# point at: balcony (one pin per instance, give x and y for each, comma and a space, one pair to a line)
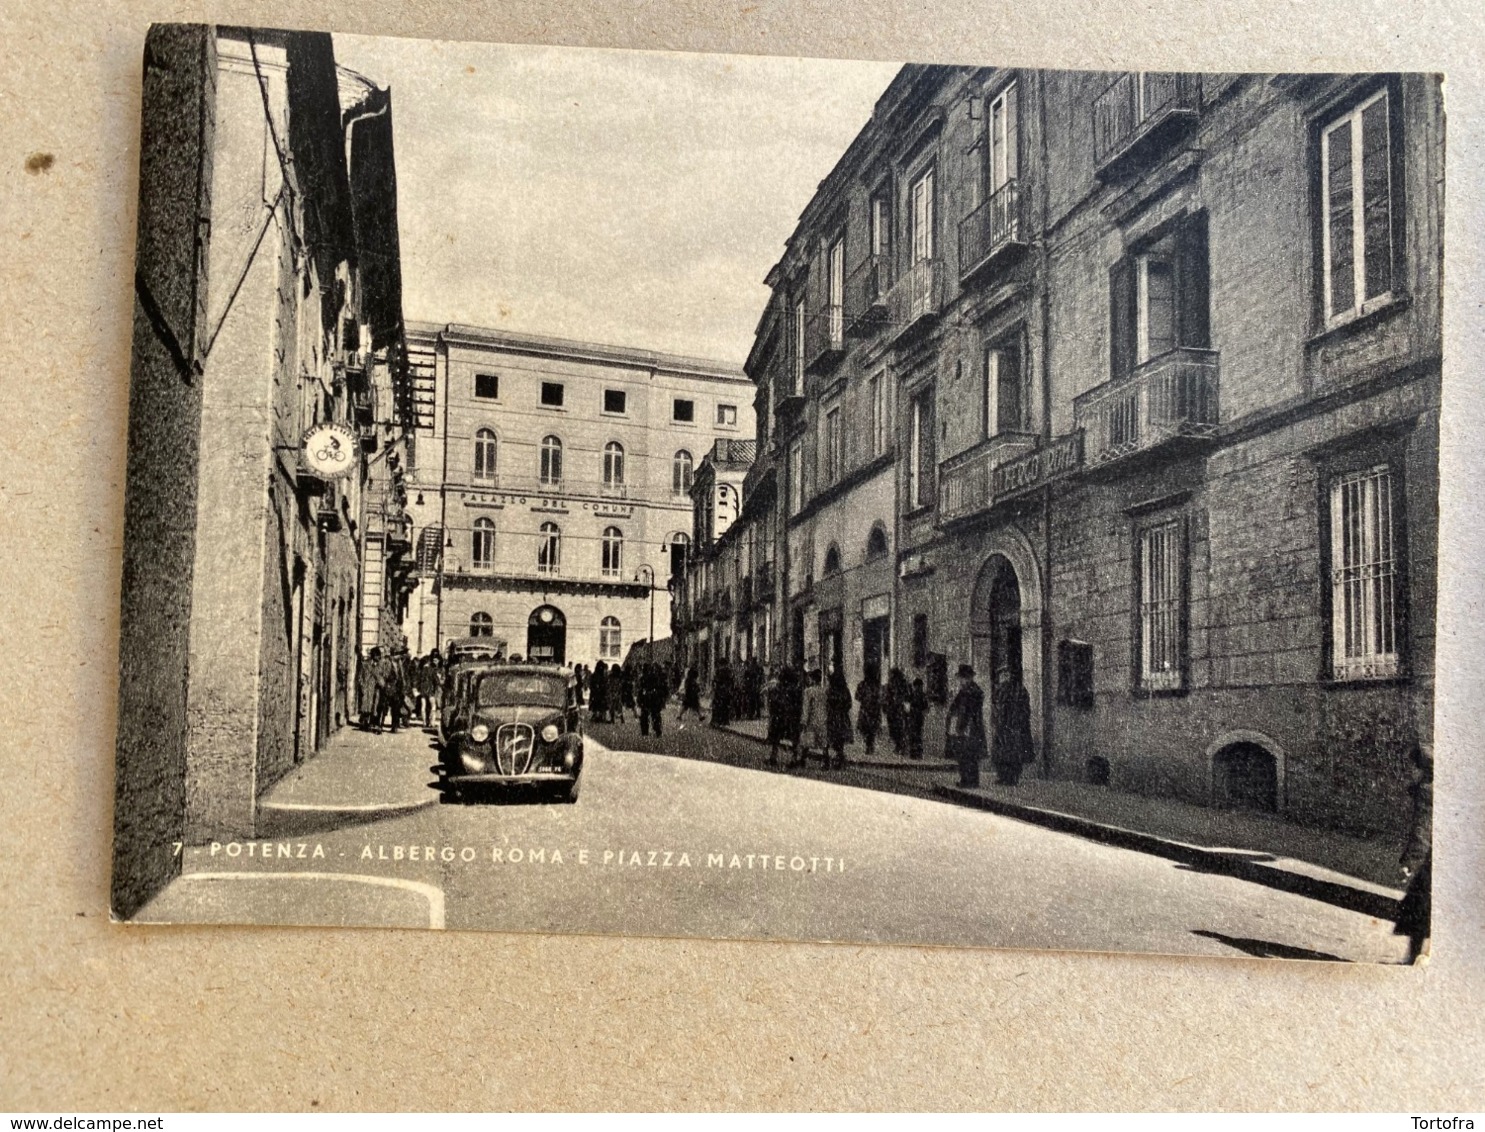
765, 584
992, 232
614, 490
966, 483
1138, 114
866, 297
916, 298
1172, 397
824, 339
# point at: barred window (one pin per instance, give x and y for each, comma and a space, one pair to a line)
1363, 576
1162, 643
485, 450
482, 548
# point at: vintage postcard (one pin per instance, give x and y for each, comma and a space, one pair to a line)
687, 495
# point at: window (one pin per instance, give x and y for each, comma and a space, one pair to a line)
487, 386
1158, 298
549, 549
610, 638
551, 461
614, 400
680, 473
684, 411
481, 625
796, 477
835, 290
920, 639
613, 464
680, 544
832, 560
920, 452
1357, 212
482, 544
551, 394
613, 552
1161, 584
486, 447
876, 543
1005, 400
878, 414
830, 446
727, 416
922, 217
881, 225
1364, 590
1004, 138
797, 332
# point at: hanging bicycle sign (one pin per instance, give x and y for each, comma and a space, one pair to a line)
329, 450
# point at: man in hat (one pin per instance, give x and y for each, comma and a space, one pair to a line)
964, 740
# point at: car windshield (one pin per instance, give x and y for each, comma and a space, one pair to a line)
522, 688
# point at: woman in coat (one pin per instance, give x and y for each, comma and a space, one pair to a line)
691, 694
1010, 735
869, 715
895, 703
598, 692
838, 717
812, 735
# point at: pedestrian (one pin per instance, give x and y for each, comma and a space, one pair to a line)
690, 694
780, 698
838, 732
1415, 912
869, 714
580, 684
753, 687
653, 692
620, 691
895, 707
915, 713
722, 694
811, 734
598, 693
1010, 728
368, 684
964, 739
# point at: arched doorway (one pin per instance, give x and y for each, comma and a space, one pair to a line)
1005, 623
546, 635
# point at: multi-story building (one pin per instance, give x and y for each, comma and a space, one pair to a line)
1127, 385
550, 493
268, 313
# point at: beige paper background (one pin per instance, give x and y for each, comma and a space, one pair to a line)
95, 1016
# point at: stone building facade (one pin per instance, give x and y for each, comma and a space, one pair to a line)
268, 304
550, 494
1138, 377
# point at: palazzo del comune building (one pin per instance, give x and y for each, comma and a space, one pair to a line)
550, 491
1128, 383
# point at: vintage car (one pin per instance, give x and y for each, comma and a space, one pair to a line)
518, 727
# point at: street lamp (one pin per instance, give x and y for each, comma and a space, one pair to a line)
651, 569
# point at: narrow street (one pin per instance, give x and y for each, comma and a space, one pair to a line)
689, 835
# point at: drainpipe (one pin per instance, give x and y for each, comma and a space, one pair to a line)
1044, 261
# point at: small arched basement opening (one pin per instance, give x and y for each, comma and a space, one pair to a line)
1247, 772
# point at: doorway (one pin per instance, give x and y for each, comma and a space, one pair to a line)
831, 645
875, 638
546, 636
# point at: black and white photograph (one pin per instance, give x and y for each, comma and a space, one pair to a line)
742, 497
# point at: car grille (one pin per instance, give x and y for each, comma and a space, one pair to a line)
514, 744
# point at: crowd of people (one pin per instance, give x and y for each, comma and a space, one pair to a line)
393, 689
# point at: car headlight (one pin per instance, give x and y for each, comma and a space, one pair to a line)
549, 733
479, 732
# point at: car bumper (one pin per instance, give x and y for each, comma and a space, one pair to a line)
561, 778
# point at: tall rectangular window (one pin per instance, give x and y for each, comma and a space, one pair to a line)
796, 477
881, 225
831, 445
796, 331
920, 452
922, 213
1004, 138
1356, 202
878, 390
1365, 623
1160, 297
1004, 393
1161, 605
835, 290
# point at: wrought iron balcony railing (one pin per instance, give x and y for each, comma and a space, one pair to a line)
997, 227
966, 483
1170, 397
1135, 112
866, 296
917, 296
825, 338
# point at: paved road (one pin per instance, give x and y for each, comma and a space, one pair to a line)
678, 846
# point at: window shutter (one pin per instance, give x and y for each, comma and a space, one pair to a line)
1193, 309
1376, 204
1121, 317
1012, 133
1342, 284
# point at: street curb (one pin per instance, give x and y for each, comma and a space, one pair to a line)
1206, 860
862, 764
287, 819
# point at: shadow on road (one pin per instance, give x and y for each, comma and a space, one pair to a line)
1266, 949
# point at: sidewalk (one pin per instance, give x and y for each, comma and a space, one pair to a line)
1350, 872
358, 776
